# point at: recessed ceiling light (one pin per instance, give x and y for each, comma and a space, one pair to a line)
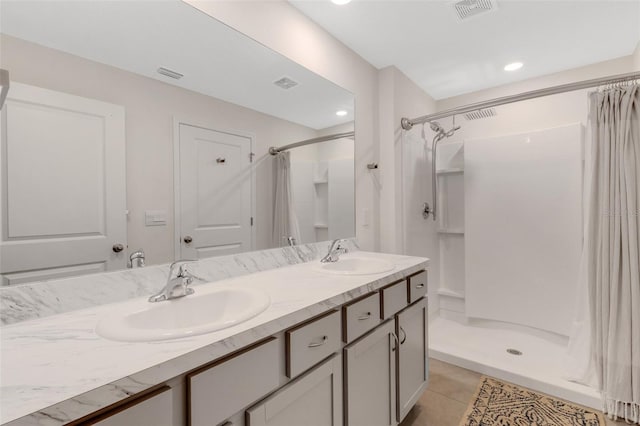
513, 66
341, 113
340, 2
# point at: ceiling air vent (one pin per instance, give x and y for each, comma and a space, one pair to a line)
466, 9
170, 73
285, 83
481, 113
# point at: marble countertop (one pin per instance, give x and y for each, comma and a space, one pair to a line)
57, 369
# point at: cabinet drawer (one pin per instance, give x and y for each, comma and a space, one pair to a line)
360, 316
393, 299
218, 391
417, 286
153, 409
309, 343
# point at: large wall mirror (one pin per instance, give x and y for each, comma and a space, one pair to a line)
146, 125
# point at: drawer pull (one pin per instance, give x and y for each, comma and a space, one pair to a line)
365, 316
315, 345
420, 286
404, 339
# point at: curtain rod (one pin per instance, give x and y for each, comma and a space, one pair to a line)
407, 124
275, 150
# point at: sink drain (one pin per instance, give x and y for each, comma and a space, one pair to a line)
514, 351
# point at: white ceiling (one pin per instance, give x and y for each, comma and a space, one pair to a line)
447, 57
140, 36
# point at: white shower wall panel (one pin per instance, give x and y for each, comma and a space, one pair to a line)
341, 199
451, 201
302, 189
523, 227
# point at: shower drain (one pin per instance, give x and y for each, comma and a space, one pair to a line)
514, 351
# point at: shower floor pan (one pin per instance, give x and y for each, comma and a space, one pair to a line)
484, 349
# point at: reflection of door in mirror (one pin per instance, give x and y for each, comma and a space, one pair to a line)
214, 193
63, 190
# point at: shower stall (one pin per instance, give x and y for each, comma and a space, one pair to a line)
504, 189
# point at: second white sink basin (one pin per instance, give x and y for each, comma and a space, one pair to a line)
355, 266
203, 312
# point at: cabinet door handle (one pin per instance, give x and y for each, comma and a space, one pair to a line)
315, 345
365, 316
420, 286
395, 340
404, 339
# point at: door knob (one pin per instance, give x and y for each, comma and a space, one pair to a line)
188, 239
117, 248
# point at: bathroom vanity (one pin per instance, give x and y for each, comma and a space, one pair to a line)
332, 348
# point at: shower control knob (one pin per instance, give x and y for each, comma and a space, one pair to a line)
187, 239
426, 210
117, 248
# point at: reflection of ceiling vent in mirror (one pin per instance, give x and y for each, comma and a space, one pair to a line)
466, 9
481, 113
285, 83
170, 73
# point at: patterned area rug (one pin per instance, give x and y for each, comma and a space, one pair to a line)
502, 404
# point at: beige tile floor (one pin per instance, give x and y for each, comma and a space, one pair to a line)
450, 390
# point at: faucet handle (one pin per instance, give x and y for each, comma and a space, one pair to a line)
183, 272
179, 263
338, 245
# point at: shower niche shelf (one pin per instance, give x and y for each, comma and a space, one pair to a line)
449, 171
453, 231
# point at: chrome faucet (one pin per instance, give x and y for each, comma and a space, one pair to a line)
291, 241
177, 286
138, 257
335, 250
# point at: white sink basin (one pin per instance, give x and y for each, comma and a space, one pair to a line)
355, 266
209, 309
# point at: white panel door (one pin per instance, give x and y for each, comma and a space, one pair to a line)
62, 185
215, 192
523, 227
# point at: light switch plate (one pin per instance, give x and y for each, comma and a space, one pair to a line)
155, 217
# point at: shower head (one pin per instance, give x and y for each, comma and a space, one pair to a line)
436, 127
440, 132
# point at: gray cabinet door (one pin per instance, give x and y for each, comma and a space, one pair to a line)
413, 360
313, 399
370, 378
